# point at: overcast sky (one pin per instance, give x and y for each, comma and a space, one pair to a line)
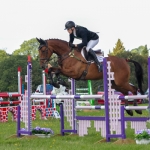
22, 20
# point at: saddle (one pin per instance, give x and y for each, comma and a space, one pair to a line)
88, 57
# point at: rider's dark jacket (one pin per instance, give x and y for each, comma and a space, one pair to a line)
84, 34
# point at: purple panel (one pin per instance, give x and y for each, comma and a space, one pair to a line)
105, 82
25, 132
77, 96
97, 107
123, 123
121, 97
149, 81
18, 120
74, 131
90, 118
114, 135
52, 96
136, 119
73, 104
29, 94
61, 119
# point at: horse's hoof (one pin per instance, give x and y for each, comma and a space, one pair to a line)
129, 112
138, 112
56, 85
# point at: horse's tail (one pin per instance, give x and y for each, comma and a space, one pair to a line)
138, 74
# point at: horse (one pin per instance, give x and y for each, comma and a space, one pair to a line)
73, 65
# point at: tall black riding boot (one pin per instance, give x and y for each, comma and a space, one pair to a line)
96, 60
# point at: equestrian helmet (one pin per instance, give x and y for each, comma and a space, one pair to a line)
69, 24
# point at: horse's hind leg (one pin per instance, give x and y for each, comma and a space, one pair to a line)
132, 89
125, 92
135, 101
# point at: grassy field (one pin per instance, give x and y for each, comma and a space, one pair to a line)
57, 142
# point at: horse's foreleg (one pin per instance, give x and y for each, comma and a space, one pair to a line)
60, 80
57, 72
50, 79
54, 70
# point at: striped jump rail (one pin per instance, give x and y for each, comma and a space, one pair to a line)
9, 102
67, 96
7, 95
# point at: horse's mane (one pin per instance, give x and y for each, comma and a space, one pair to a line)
57, 40
44, 42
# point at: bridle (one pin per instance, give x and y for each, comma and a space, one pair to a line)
47, 59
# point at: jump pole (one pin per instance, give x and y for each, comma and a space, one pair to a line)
28, 123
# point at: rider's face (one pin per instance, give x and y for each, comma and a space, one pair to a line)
69, 31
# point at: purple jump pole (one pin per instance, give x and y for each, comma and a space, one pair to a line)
29, 86
149, 82
73, 130
62, 120
122, 123
105, 82
73, 105
18, 121
28, 103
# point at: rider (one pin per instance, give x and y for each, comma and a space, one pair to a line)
89, 39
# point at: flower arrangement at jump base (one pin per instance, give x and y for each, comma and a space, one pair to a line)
142, 136
42, 132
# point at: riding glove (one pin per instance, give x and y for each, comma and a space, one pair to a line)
71, 45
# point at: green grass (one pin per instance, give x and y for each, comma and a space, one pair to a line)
57, 142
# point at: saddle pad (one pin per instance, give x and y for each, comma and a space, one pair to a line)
99, 57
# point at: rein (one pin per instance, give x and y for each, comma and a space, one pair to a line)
70, 54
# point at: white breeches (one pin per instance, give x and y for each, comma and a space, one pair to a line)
91, 44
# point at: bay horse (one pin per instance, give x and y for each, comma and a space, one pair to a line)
72, 64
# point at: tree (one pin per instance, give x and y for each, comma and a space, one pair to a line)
141, 50
3, 55
9, 75
145, 51
119, 48
29, 47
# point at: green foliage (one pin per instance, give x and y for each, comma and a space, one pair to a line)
141, 50
119, 48
143, 134
9, 75
29, 47
3, 55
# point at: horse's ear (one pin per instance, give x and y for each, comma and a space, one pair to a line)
37, 39
42, 42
